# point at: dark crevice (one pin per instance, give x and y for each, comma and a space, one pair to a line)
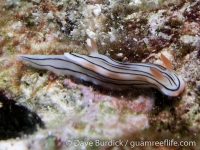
16, 120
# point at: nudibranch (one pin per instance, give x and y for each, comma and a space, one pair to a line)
102, 70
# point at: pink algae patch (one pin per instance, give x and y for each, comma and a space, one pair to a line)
88, 92
142, 103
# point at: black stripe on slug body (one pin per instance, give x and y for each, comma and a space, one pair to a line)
129, 65
27, 58
142, 83
168, 76
146, 65
96, 74
141, 65
126, 64
102, 75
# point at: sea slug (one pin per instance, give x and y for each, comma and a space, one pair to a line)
102, 70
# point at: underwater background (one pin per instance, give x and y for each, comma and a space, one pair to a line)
39, 110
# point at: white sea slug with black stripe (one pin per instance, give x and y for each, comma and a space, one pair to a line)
102, 70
